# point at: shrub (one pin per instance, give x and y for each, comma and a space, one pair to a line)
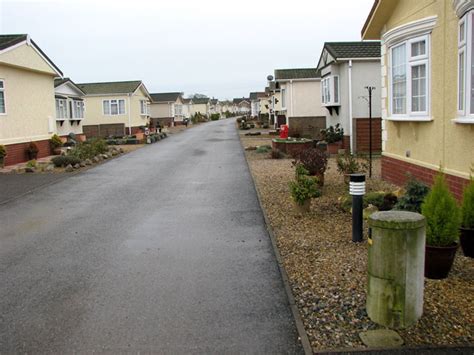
55, 142
467, 208
32, 150
31, 164
304, 187
442, 215
332, 134
347, 164
215, 117
89, 149
314, 160
65, 160
3, 151
415, 194
263, 149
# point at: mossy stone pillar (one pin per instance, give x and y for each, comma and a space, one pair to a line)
396, 268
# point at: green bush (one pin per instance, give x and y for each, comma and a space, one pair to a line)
332, 134
31, 164
3, 151
263, 149
55, 142
467, 208
65, 160
89, 149
347, 164
215, 117
442, 215
415, 194
304, 187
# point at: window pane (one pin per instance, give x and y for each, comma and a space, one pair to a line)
121, 107
462, 32
461, 82
106, 107
399, 80
113, 107
418, 88
2, 102
1, 84
336, 89
418, 48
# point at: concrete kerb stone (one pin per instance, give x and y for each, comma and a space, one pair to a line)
291, 299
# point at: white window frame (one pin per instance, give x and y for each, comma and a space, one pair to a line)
144, 105
328, 90
465, 46
283, 99
62, 103
78, 105
2, 89
411, 62
108, 102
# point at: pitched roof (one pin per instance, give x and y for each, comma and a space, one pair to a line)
186, 101
256, 95
240, 100
60, 81
299, 73
10, 40
200, 100
115, 87
214, 101
165, 96
363, 49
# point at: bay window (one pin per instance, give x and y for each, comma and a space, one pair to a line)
465, 75
61, 109
78, 107
409, 78
330, 90
2, 98
113, 107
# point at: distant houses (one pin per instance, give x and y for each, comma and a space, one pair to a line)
70, 108
241, 106
115, 108
166, 109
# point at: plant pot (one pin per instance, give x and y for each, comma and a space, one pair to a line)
304, 208
439, 260
467, 241
333, 148
32, 155
57, 151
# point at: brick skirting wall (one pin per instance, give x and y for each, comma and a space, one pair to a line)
16, 153
396, 171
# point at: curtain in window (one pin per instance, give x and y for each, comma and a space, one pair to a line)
399, 79
106, 105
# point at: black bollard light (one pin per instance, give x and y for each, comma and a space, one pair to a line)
357, 190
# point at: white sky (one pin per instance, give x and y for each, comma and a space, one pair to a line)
219, 48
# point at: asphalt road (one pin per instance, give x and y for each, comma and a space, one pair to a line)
161, 250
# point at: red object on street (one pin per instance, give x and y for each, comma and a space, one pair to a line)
284, 131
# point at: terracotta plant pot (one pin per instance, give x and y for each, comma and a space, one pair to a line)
333, 148
57, 151
467, 241
304, 208
439, 260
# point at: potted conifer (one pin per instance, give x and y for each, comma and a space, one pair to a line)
303, 189
32, 151
56, 143
442, 229
467, 220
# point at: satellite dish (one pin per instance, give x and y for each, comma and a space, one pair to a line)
270, 77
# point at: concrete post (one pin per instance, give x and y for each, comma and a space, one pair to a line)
396, 268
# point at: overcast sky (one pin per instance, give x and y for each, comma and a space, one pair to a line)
221, 48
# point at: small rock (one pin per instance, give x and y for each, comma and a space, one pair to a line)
105, 156
88, 162
251, 148
121, 150
114, 153
49, 168
69, 168
82, 164
77, 166
29, 169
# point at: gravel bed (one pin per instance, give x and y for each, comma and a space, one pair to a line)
328, 272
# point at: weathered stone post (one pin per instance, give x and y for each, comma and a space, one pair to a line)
396, 268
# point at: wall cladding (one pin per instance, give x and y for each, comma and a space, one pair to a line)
104, 130
362, 135
307, 127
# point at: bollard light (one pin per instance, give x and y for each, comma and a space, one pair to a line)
357, 191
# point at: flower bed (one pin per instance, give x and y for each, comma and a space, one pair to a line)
328, 272
291, 146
